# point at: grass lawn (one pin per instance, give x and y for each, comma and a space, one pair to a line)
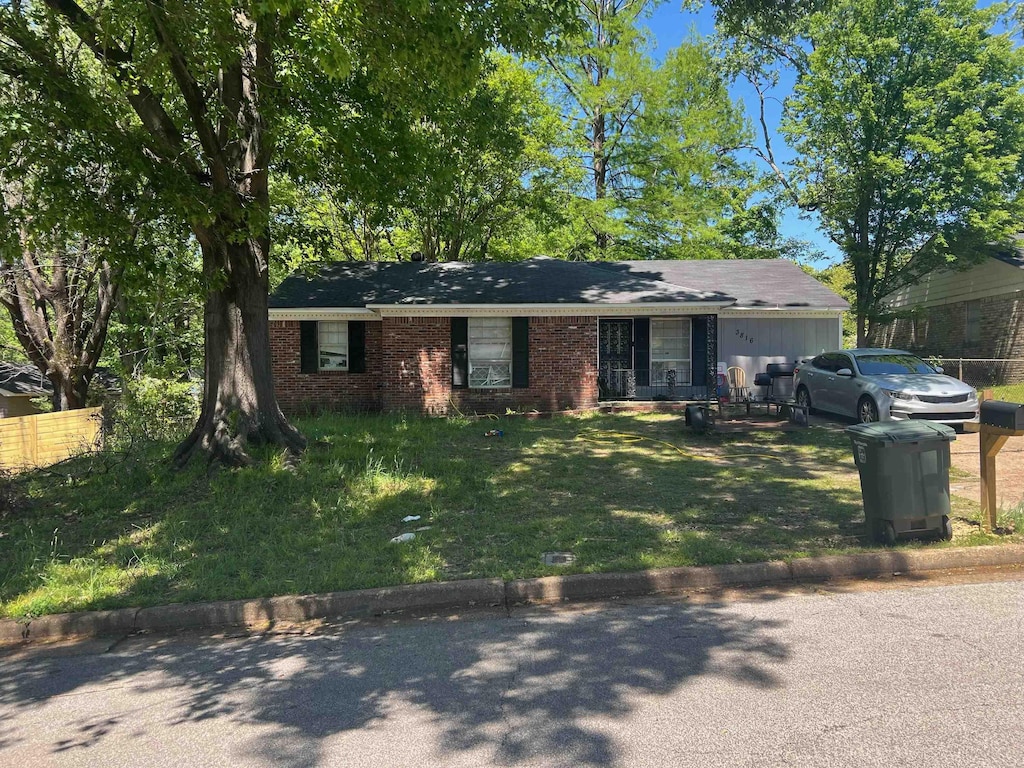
137, 533
1011, 393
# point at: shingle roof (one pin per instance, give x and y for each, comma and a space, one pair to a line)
552, 281
756, 283
1013, 258
23, 379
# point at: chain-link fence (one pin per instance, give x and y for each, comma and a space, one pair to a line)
1004, 377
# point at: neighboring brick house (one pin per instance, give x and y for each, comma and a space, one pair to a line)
540, 334
976, 314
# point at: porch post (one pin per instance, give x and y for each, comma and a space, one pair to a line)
712, 359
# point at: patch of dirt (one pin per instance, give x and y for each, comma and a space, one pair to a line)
965, 456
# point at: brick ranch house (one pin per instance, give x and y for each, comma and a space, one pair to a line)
975, 313
540, 334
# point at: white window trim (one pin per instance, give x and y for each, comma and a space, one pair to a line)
491, 363
688, 360
342, 327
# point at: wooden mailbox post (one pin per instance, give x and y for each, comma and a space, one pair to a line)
992, 439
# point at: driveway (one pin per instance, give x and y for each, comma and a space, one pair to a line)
966, 457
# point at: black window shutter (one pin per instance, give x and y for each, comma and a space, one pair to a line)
356, 346
308, 345
520, 352
642, 350
460, 352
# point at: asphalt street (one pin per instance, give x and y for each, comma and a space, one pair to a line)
925, 676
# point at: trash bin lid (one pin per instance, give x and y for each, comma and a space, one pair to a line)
910, 431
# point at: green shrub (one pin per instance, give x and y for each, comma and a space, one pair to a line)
156, 409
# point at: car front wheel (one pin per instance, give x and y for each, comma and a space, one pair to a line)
867, 411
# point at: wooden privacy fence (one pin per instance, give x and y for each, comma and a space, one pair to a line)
46, 438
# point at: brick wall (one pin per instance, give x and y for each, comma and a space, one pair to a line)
941, 331
417, 364
408, 367
325, 390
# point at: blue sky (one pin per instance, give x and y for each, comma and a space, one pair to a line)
670, 25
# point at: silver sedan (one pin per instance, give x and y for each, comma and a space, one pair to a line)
881, 384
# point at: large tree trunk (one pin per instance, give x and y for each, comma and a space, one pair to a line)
239, 405
69, 392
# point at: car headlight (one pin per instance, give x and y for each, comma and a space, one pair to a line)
896, 395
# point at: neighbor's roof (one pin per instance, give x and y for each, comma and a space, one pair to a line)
23, 379
542, 280
1013, 258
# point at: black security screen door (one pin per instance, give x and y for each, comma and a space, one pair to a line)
615, 359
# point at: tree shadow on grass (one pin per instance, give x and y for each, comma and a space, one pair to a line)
493, 507
469, 692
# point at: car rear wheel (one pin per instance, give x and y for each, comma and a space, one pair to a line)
867, 411
803, 398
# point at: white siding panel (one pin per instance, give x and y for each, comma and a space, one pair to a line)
752, 343
990, 278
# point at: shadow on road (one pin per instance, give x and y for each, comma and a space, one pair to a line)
507, 690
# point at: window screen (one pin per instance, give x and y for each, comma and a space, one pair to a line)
490, 352
333, 349
670, 351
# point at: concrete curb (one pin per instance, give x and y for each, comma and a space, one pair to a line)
470, 593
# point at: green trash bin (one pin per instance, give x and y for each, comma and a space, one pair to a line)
904, 477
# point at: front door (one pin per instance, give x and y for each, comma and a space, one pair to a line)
615, 359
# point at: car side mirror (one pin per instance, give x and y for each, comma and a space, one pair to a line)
845, 372
939, 369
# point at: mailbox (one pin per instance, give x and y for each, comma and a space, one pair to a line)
996, 413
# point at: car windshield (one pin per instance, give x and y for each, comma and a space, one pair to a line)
879, 365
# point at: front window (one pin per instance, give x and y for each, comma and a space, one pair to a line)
670, 351
972, 323
333, 346
490, 352
880, 365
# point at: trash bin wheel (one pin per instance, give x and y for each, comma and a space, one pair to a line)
874, 527
947, 528
888, 533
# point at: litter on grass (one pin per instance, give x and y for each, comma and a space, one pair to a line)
410, 518
402, 538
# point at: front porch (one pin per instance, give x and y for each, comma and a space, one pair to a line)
671, 358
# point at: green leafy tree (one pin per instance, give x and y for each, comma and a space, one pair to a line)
489, 167
908, 120
461, 181
655, 139
202, 99
71, 234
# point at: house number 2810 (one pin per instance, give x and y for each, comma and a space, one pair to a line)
744, 335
